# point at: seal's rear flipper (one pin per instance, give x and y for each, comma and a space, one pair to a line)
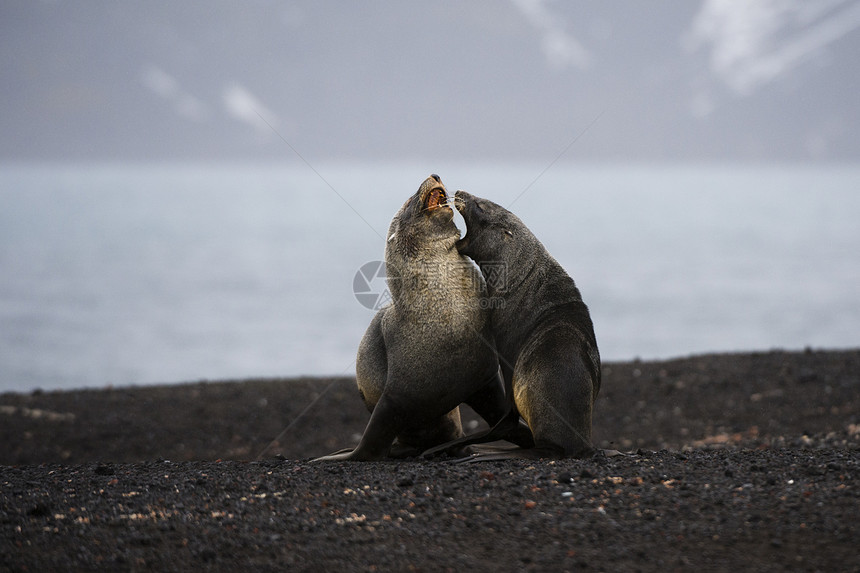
510, 428
490, 453
613, 453
495, 453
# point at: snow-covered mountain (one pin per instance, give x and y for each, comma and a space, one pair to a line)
772, 80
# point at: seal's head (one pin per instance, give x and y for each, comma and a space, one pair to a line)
426, 220
492, 232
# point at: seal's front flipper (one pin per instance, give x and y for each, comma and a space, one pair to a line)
340, 455
341, 451
384, 424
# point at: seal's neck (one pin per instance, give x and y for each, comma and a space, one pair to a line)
434, 286
505, 279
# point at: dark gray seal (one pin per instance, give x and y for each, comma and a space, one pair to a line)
543, 332
431, 349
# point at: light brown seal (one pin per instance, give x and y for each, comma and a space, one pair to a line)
431, 349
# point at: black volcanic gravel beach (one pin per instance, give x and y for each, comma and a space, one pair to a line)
737, 461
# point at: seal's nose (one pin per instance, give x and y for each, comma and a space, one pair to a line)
436, 177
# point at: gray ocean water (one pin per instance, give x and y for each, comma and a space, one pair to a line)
142, 274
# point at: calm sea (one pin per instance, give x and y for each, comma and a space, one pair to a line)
127, 274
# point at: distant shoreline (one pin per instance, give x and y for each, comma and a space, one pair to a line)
350, 375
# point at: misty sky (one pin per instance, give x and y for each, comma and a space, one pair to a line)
765, 80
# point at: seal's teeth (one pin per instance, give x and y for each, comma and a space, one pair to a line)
436, 198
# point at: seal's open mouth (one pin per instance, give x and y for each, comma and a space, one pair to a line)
436, 198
